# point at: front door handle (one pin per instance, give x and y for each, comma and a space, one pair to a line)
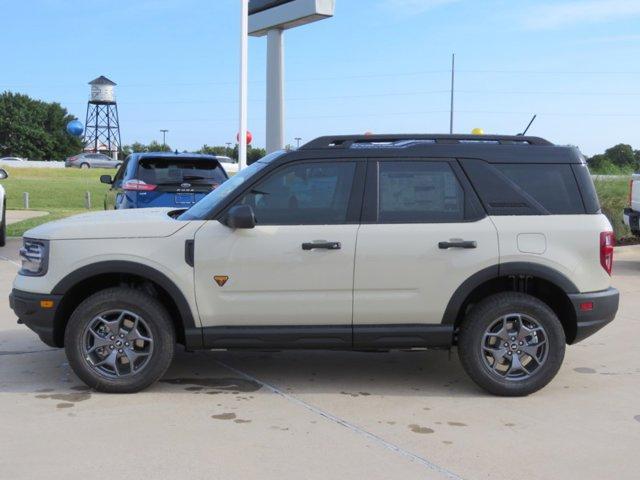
322, 245
457, 244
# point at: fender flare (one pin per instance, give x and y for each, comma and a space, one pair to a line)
192, 332
503, 270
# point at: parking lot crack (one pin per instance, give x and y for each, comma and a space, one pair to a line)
354, 428
27, 352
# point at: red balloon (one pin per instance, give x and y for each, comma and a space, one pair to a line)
249, 137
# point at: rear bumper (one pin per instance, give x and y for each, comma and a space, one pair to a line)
605, 307
27, 307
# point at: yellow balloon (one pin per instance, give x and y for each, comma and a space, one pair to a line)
477, 131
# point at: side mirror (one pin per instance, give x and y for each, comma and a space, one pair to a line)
3, 174
240, 216
106, 179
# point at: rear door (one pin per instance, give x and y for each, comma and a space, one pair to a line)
423, 234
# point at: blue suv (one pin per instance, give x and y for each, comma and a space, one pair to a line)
148, 180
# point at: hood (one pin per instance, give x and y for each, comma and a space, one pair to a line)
131, 223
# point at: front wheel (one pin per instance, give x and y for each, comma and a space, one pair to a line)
120, 340
511, 344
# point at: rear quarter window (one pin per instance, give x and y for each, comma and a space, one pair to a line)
553, 186
525, 188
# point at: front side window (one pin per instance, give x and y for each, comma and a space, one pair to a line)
419, 192
303, 194
215, 200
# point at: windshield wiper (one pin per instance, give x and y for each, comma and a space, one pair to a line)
193, 177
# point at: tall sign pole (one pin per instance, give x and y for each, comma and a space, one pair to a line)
244, 83
453, 88
275, 90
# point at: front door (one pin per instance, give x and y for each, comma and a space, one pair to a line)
295, 268
426, 234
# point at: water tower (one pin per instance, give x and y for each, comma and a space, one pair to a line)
102, 128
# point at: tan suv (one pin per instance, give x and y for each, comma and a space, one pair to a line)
495, 245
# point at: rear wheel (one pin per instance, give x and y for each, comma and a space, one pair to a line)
120, 340
85, 165
511, 344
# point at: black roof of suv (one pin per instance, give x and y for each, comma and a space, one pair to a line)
491, 148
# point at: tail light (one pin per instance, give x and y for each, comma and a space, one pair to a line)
607, 242
138, 186
630, 191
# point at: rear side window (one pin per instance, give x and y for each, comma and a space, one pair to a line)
552, 186
419, 192
175, 171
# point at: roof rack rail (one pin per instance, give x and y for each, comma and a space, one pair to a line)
404, 140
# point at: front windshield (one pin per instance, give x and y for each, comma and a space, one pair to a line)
201, 210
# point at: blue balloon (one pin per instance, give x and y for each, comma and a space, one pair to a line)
75, 128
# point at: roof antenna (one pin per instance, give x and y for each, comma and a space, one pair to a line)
528, 126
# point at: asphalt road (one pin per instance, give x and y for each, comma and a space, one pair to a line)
323, 415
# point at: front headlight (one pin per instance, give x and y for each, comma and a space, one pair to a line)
35, 257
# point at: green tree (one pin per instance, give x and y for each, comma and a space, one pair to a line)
217, 150
158, 147
253, 154
621, 155
34, 129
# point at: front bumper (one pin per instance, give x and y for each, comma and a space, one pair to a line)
604, 309
34, 314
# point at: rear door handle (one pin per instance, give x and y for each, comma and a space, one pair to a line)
322, 245
457, 244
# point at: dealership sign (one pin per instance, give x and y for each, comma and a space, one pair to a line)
265, 15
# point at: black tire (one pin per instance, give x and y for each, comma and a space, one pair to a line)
3, 227
160, 326
472, 335
85, 165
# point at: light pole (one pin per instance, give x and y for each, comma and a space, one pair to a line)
164, 138
298, 139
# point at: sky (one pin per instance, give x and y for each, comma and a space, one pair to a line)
378, 65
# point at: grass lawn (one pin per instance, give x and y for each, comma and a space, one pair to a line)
614, 197
61, 193
57, 191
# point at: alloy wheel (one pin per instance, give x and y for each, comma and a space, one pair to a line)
117, 343
514, 347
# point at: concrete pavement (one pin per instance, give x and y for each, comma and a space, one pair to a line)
15, 216
230, 415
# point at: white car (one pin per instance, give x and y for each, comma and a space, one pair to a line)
3, 202
230, 165
10, 160
494, 244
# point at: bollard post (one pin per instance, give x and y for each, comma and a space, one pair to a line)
87, 200
25, 199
